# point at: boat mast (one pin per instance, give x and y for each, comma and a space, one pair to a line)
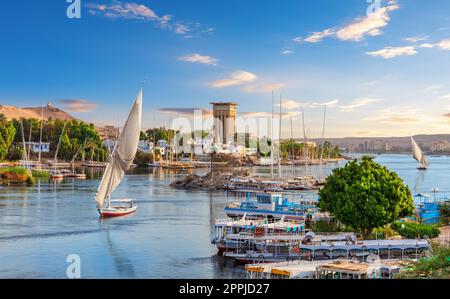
24, 145
305, 147
323, 138
57, 147
279, 143
271, 139
154, 139
292, 149
29, 139
40, 136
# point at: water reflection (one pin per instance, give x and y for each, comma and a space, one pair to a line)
122, 263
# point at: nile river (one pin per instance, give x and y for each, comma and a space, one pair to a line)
168, 236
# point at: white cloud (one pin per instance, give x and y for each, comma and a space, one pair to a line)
444, 44
316, 37
236, 78
197, 58
369, 25
181, 29
117, 9
331, 103
287, 52
426, 45
396, 115
78, 105
445, 97
357, 103
391, 52
264, 88
297, 40
416, 39
289, 104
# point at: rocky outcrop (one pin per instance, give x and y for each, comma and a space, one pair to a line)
207, 182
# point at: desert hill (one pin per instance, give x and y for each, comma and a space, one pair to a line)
49, 111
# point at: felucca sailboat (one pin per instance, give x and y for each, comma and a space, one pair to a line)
121, 159
419, 155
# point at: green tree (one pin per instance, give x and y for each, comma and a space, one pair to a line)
143, 136
7, 133
365, 195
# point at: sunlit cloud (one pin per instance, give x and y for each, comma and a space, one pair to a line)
186, 111
289, 104
358, 103
331, 103
316, 37
236, 78
426, 46
129, 10
255, 114
77, 105
391, 52
397, 115
370, 25
444, 44
264, 88
416, 39
197, 58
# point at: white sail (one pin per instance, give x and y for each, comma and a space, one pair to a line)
123, 154
418, 154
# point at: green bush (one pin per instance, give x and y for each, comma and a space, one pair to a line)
17, 170
414, 230
435, 267
142, 159
444, 209
40, 173
322, 226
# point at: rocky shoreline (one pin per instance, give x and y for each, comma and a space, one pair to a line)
208, 182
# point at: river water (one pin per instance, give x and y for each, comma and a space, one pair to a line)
168, 236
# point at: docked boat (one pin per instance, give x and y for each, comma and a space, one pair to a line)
121, 159
270, 205
370, 268
245, 229
384, 249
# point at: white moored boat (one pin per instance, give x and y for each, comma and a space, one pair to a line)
121, 159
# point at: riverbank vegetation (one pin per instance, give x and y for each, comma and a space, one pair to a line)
411, 230
437, 266
16, 175
72, 138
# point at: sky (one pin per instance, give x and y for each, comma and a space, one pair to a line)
381, 69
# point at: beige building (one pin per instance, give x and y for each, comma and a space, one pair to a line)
440, 146
224, 121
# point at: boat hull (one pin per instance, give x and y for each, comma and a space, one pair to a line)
116, 211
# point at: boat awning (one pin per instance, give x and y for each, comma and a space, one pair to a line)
281, 272
122, 200
255, 269
422, 195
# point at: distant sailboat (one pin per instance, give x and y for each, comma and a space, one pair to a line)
419, 155
121, 159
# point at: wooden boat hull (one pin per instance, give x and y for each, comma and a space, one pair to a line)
116, 211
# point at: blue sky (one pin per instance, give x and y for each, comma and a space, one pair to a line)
385, 73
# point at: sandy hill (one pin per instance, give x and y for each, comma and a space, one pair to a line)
48, 111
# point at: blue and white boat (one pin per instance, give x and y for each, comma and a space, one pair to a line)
271, 205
